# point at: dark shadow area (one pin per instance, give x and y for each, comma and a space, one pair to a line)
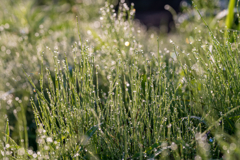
152, 13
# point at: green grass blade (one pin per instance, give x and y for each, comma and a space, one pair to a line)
230, 16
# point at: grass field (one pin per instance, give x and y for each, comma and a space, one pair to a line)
81, 81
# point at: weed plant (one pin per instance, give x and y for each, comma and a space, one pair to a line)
123, 94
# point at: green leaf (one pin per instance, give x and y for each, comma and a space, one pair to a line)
92, 130
89, 134
229, 125
230, 16
7, 131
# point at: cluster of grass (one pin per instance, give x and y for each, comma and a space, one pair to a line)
108, 89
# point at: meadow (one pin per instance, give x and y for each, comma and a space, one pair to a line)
83, 81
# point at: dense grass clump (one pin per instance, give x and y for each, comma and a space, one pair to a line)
116, 91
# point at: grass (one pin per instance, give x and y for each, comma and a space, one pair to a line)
108, 89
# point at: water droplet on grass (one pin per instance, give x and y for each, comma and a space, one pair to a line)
127, 43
